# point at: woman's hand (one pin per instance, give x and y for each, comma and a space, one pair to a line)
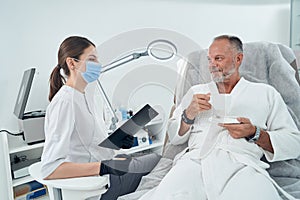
117, 166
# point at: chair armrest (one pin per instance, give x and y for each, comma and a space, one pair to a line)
72, 188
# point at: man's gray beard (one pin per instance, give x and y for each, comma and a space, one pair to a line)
219, 79
224, 76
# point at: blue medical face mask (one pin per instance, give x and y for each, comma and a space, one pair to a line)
92, 71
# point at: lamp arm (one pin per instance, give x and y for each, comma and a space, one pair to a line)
106, 99
108, 67
122, 61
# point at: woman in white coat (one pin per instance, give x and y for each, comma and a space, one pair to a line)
72, 132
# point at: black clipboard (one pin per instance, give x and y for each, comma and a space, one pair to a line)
130, 127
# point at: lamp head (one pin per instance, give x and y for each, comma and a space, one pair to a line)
162, 50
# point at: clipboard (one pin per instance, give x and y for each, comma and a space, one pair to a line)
130, 127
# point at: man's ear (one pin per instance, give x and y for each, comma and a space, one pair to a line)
239, 58
71, 63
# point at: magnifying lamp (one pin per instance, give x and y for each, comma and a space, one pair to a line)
161, 50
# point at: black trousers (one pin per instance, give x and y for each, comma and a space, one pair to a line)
121, 185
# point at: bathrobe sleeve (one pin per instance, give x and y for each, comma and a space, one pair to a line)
175, 120
284, 135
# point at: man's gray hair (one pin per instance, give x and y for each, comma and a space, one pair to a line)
235, 42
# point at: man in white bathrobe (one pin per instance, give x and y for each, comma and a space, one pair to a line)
229, 123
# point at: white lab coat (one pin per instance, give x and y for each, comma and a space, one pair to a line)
226, 165
72, 131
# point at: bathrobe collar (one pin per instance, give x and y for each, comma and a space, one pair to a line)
240, 86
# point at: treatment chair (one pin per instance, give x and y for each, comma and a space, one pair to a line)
72, 188
265, 62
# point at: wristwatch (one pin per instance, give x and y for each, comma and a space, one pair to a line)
185, 119
253, 138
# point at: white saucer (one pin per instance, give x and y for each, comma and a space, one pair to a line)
226, 120
230, 120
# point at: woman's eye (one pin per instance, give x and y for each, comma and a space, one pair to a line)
92, 60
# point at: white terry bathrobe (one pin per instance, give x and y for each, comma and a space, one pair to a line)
216, 166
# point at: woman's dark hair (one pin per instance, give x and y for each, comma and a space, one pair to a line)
72, 47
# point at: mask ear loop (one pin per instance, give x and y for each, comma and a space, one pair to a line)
75, 68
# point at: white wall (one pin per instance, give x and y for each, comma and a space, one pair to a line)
32, 30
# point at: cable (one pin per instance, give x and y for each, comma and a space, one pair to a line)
13, 134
